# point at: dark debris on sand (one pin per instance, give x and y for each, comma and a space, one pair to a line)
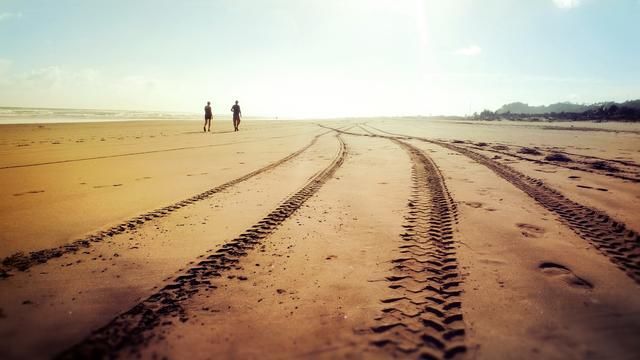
558, 157
603, 165
529, 151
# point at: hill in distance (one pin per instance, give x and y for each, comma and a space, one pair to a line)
566, 107
566, 111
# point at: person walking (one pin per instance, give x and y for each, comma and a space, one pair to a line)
237, 114
208, 115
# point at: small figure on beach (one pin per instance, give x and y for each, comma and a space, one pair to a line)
208, 115
237, 114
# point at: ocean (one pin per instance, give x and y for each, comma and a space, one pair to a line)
20, 115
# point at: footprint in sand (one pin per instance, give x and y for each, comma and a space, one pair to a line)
546, 171
29, 192
473, 204
530, 231
564, 273
104, 186
589, 187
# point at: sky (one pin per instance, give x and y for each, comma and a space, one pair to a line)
317, 58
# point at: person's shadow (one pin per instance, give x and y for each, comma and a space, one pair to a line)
213, 132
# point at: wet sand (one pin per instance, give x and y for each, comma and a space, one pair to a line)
373, 238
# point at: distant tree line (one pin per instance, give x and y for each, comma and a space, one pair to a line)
627, 111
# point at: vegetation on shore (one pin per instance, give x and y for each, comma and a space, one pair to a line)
628, 111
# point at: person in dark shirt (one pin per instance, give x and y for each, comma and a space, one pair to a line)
208, 115
237, 114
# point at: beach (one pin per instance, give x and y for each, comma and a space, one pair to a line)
354, 238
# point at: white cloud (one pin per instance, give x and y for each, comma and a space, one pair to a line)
473, 50
567, 4
57, 86
9, 15
43, 77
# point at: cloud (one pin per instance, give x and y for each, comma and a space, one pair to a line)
9, 16
43, 77
473, 50
567, 4
61, 86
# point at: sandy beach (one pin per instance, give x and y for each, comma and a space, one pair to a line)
361, 238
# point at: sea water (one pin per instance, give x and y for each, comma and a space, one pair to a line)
20, 115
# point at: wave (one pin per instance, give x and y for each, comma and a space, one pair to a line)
16, 115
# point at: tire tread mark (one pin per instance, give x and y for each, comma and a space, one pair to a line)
424, 318
621, 175
132, 328
100, 157
21, 261
610, 237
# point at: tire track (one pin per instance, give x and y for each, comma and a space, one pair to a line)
21, 261
133, 328
140, 153
424, 318
596, 158
619, 173
367, 130
612, 238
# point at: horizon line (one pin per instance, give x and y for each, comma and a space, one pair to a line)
275, 117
